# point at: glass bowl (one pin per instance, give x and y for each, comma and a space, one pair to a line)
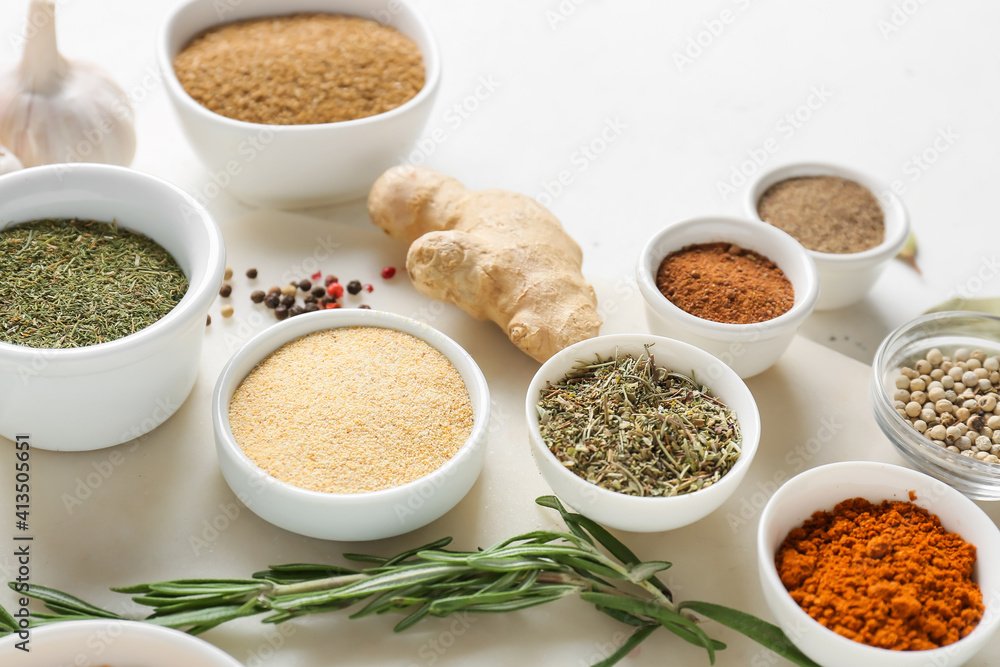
946, 331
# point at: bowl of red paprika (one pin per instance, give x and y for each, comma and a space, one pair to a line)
735, 288
866, 563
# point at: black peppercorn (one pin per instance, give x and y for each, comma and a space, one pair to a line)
305, 285
288, 300
274, 290
311, 307
354, 287
296, 310
272, 300
318, 291
257, 296
330, 279
225, 290
208, 320
365, 306
323, 300
251, 273
281, 312
309, 298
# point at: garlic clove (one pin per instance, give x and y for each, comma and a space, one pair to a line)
8, 162
55, 110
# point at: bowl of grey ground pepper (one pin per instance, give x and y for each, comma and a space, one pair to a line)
935, 393
299, 103
732, 287
850, 224
351, 424
92, 356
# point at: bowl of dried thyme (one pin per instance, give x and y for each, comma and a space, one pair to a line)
868, 564
732, 287
299, 103
641, 432
351, 424
106, 275
850, 224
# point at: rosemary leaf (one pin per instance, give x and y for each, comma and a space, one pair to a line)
637, 637
67, 603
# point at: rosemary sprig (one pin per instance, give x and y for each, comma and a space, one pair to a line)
524, 571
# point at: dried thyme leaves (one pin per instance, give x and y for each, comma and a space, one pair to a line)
629, 426
72, 283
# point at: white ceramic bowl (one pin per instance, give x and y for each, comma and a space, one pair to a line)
844, 279
748, 348
294, 166
102, 395
821, 489
638, 514
349, 516
114, 643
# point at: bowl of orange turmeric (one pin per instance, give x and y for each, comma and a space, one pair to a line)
872, 564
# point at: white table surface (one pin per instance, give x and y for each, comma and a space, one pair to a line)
893, 75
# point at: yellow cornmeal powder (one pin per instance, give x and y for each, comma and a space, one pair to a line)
352, 410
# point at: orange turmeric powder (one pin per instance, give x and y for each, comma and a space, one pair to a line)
885, 575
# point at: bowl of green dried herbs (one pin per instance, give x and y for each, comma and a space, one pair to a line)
106, 275
641, 432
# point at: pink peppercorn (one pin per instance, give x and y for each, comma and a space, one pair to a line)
335, 290
388, 272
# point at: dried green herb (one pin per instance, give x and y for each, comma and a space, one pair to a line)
524, 571
72, 283
629, 426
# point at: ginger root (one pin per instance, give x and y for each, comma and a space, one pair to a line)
496, 254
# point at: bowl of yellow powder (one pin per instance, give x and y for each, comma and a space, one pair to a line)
300, 102
351, 425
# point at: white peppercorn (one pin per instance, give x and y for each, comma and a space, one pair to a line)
994, 422
961, 354
948, 382
902, 382
919, 385
946, 365
956, 373
984, 444
943, 406
934, 356
937, 432
918, 397
909, 373
962, 414
967, 452
996, 437
981, 456
928, 415
995, 377
935, 394
912, 409
953, 448
963, 443
920, 425
981, 373
902, 395
973, 364
978, 356
992, 458
985, 384
992, 364
922, 366
937, 374
959, 387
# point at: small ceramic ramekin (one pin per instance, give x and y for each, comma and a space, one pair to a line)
634, 513
820, 489
349, 516
295, 166
844, 279
112, 642
102, 395
748, 348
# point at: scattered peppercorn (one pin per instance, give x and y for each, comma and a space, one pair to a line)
272, 300
317, 275
290, 290
251, 273
309, 298
388, 272
335, 290
369, 288
281, 312
296, 310
365, 306
208, 320
330, 279
227, 311
323, 300
311, 307
225, 290
332, 305
318, 291
305, 285
274, 290
257, 296
354, 287
288, 300
228, 274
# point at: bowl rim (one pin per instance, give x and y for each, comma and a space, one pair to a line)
774, 237
987, 624
139, 630
750, 422
431, 57
911, 444
289, 330
195, 300
889, 247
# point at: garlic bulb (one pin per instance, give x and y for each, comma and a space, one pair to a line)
8, 162
53, 110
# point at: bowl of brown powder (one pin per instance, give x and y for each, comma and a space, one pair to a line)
299, 103
871, 564
351, 425
850, 224
735, 288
